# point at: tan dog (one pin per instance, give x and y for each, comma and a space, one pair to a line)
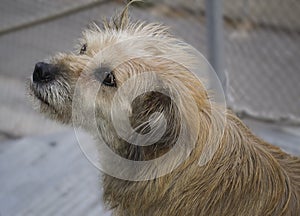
244, 177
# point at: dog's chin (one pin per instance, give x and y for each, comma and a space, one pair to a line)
42, 100
47, 108
54, 113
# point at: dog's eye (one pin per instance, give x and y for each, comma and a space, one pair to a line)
109, 79
83, 49
105, 76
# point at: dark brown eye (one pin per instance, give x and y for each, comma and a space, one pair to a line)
109, 79
106, 76
83, 49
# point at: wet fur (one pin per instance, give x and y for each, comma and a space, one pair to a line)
246, 175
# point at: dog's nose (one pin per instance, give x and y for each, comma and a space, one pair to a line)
44, 72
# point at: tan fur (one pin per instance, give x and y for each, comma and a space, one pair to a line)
245, 177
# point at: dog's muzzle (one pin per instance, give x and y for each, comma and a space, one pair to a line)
44, 73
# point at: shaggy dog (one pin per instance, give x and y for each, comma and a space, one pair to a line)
241, 176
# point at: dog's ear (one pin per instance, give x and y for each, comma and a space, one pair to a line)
155, 116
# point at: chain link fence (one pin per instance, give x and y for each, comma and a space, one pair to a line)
261, 54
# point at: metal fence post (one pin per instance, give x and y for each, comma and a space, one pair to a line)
214, 17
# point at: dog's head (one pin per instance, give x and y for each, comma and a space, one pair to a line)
124, 75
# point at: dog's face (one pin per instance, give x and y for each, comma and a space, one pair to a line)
131, 62
53, 83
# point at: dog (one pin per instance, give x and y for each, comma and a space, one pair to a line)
244, 176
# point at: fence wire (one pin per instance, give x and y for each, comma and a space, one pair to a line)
262, 53
262, 56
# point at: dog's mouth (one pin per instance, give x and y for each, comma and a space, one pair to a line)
36, 91
39, 96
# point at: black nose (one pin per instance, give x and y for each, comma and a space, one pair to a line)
44, 73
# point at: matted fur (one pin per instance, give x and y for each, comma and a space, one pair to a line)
246, 175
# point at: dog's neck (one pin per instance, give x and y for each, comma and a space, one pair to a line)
228, 176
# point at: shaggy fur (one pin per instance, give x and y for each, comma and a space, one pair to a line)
245, 177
